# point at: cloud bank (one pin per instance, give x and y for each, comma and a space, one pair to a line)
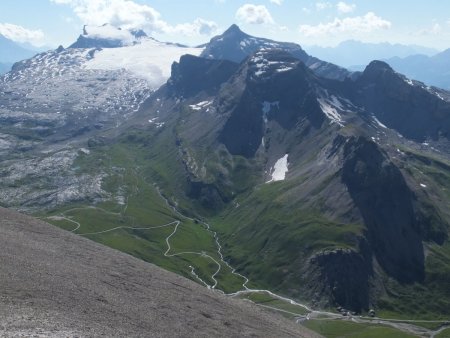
128, 14
22, 34
254, 14
358, 24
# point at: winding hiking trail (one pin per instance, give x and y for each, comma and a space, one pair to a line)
59, 218
403, 325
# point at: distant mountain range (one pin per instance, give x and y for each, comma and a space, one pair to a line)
354, 53
5, 67
433, 70
416, 62
11, 51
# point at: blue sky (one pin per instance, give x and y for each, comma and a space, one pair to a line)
326, 23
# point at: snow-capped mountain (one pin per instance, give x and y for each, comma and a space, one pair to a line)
11, 51
95, 85
54, 99
235, 45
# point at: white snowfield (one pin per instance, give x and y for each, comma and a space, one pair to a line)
279, 169
150, 60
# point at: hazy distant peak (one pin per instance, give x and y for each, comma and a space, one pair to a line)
353, 52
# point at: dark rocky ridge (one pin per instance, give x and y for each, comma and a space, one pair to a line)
346, 275
386, 203
293, 90
55, 283
406, 107
191, 75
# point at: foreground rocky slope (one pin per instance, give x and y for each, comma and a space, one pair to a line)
55, 283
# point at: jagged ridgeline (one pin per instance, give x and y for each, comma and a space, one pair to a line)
326, 186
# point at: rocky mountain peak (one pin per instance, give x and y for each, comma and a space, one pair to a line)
138, 33
377, 68
233, 31
235, 45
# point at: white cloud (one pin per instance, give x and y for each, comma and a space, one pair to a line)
435, 29
320, 6
109, 32
358, 24
128, 14
277, 2
22, 34
254, 14
198, 27
343, 7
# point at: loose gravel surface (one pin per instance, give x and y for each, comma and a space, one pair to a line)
56, 284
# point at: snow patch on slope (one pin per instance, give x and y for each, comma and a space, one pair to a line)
329, 107
280, 169
379, 123
409, 81
150, 60
261, 65
200, 105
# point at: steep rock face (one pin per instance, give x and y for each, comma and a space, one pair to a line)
285, 96
192, 75
341, 276
386, 205
415, 111
86, 42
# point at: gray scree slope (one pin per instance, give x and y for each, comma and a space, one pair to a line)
54, 283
